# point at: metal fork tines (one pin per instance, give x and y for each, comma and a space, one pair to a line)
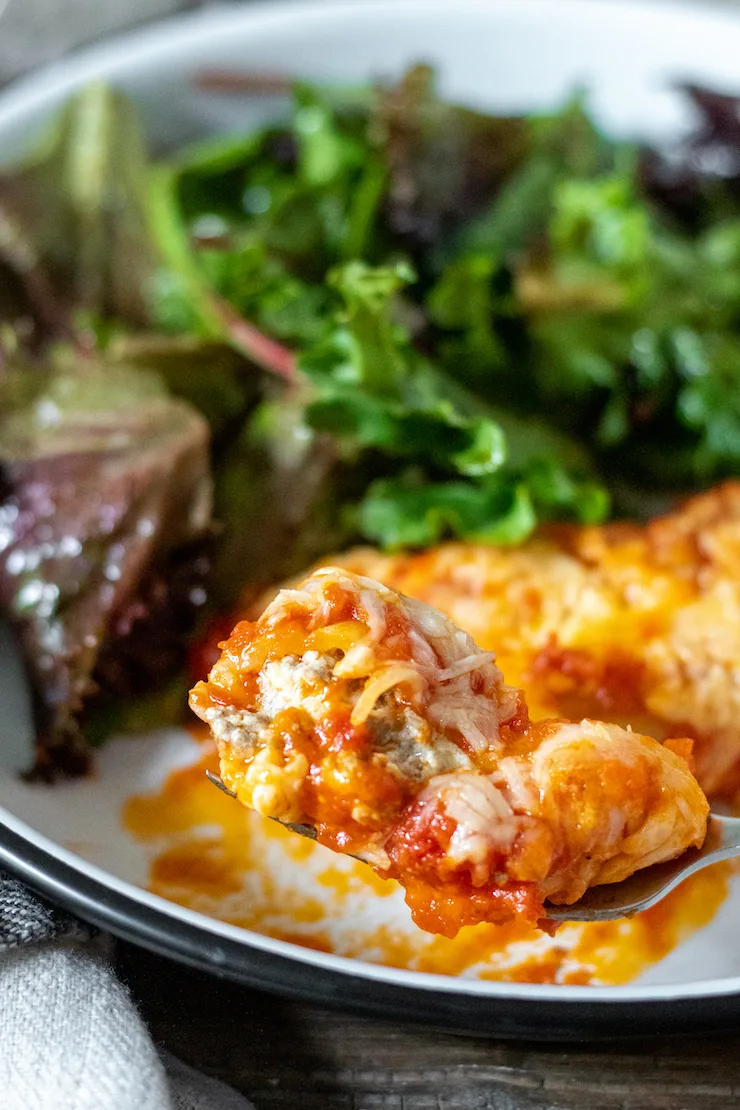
646, 887
302, 830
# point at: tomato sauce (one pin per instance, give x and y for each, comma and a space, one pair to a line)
209, 854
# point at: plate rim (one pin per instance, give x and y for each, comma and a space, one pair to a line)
166, 36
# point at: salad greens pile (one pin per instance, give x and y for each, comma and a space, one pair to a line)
337, 251
497, 321
403, 320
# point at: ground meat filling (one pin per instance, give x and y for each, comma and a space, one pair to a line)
400, 734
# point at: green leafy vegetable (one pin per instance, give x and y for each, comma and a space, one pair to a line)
73, 218
503, 509
402, 320
444, 161
104, 514
374, 393
374, 390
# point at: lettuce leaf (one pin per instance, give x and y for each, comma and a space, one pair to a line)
104, 513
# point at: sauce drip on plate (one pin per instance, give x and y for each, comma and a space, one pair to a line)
209, 854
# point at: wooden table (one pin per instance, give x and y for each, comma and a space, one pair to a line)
293, 1056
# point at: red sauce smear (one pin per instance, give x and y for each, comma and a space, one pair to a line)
209, 854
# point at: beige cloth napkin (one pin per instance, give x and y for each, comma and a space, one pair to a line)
70, 1035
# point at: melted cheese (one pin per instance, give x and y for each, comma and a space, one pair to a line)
637, 625
373, 718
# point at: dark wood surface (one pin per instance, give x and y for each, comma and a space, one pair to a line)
291, 1056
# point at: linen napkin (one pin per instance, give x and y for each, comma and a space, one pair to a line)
70, 1035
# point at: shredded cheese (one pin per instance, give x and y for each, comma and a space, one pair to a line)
384, 679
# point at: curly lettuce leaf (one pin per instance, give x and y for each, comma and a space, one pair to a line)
502, 509
479, 471
255, 224
372, 390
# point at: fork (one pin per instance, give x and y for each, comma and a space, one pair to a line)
614, 900
646, 887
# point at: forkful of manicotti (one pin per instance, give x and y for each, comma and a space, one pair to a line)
371, 723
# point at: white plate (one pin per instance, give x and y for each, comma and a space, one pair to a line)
70, 840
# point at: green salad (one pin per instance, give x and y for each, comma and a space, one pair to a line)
401, 320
